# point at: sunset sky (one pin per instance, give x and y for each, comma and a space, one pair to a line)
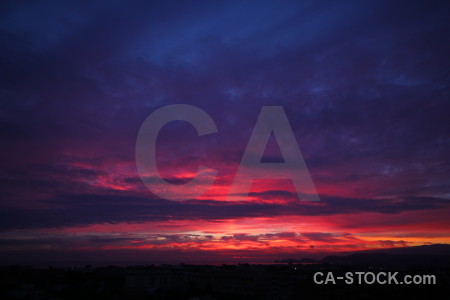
364, 84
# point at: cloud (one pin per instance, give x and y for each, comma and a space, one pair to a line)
364, 86
75, 210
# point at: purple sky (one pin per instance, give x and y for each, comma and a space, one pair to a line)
365, 86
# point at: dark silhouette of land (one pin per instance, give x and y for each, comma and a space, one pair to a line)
427, 255
290, 280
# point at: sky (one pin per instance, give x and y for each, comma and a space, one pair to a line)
364, 85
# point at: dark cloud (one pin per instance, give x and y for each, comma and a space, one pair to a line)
365, 86
78, 210
321, 236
